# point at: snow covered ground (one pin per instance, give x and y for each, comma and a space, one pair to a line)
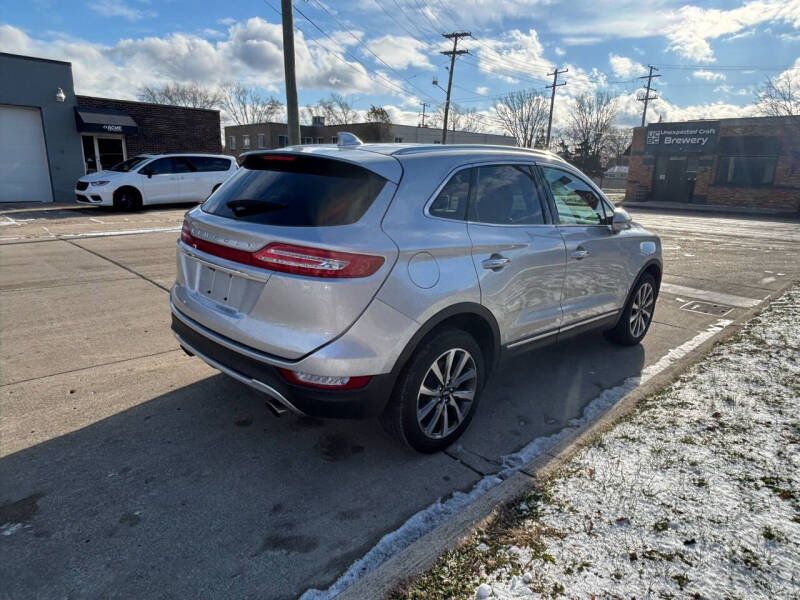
696, 495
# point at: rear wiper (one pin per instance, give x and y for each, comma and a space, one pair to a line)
242, 208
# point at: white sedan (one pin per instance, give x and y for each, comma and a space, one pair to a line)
156, 179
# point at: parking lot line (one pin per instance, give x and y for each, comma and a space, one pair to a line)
718, 297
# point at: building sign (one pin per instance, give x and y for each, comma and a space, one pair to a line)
681, 138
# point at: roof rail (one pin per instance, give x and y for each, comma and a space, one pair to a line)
348, 140
456, 147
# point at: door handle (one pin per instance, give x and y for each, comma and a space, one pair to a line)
579, 253
496, 262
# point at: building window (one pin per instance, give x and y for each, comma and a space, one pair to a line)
746, 170
245, 141
260, 140
308, 140
398, 140
437, 142
232, 142
320, 140
283, 141
335, 140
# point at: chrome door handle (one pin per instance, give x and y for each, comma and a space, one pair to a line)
496, 262
579, 253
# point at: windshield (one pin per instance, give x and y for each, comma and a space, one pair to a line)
296, 191
130, 164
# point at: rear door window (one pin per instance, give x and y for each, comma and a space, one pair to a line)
451, 202
210, 163
296, 191
506, 195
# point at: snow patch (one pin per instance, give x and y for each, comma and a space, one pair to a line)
429, 518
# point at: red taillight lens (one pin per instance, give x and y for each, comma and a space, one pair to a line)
314, 262
327, 382
289, 258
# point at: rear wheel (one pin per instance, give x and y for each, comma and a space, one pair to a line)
127, 199
437, 393
637, 315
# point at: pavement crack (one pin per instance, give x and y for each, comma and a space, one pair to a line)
118, 264
105, 364
463, 463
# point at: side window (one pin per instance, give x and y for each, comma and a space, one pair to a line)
506, 195
181, 164
576, 202
162, 166
451, 203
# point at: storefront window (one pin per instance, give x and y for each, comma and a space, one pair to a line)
746, 170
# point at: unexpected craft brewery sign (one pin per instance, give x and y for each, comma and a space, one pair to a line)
678, 138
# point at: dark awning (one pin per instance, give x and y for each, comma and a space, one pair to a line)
105, 120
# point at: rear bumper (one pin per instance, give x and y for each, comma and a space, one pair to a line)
363, 403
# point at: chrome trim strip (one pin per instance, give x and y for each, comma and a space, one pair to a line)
253, 383
590, 320
234, 346
559, 330
532, 339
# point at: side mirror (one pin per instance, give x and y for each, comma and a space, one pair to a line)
147, 172
620, 221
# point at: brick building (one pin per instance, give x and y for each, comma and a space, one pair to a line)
268, 136
751, 163
51, 137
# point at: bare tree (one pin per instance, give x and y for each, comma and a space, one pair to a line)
780, 97
337, 110
523, 114
244, 104
617, 141
591, 119
307, 113
458, 119
181, 94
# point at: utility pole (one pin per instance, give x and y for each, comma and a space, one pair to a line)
555, 84
452, 54
424, 105
292, 114
647, 97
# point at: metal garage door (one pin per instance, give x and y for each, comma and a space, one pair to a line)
24, 171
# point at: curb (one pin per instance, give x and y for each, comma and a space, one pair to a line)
423, 553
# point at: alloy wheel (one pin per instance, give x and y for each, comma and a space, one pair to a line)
641, 310
446, 393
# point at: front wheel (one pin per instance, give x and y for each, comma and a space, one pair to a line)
637, 315
437, 393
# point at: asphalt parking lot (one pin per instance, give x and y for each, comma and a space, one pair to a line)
131, 470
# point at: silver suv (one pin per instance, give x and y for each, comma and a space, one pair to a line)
387, 280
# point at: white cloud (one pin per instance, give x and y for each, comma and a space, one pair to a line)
724, 88
624, 67
400, 52
118, 8
559, 51
708, 75
251, 52
482, 90
514, 56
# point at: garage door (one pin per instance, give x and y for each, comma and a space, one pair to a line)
24, 172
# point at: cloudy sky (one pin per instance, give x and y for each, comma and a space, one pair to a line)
711, 56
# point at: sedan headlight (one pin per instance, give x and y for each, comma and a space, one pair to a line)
99, 182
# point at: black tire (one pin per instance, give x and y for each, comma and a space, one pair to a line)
630, 331
400, 419
127, 199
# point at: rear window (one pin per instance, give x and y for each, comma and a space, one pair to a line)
296, 191
210, 163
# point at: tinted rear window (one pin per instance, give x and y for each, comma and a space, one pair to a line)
296, 191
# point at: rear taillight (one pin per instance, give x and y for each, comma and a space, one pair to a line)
315, 262
328, 382
289, 258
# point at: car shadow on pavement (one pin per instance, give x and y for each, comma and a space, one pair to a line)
202, 492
